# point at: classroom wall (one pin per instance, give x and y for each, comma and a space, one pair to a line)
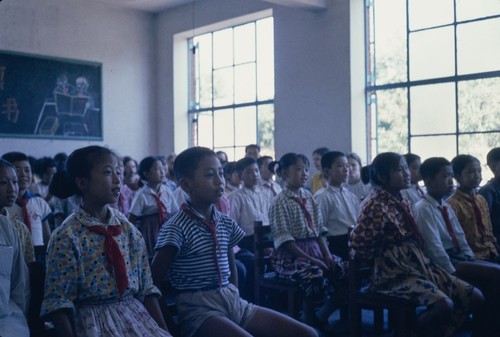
312, 71
122, 40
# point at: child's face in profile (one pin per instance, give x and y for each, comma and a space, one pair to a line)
415, 171
354, 171
206, 186
317, 161
264, 170
399, 178
250, 176
8, 187
103, 187
441, 184
296, 175
156, 173
338, 173
470, 177
23, 170
495, 169
234, 179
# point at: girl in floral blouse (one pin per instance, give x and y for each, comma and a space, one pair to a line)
386, 235
98, 279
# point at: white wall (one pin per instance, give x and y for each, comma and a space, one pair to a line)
312, 71
122, 40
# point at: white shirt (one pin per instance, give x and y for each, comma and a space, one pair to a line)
360, 189
247, 205
14, 283
144, 202
413, 194
433, 227
339, 208
271, 185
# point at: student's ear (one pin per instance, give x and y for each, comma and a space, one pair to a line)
82, 183
185, 185
428, 183
325, 171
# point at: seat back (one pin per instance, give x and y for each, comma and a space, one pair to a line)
263, 244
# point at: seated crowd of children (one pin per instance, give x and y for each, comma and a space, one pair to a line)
110, 231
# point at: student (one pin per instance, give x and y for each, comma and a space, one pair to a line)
9, 190
491, 191
231, 177
317, 180
266, 170
154, 203
169, 179
131, 178
222, 157
471, 208
126, 194
445, 241
414, 193
387, 237
98, 279
339, 207
301, 251
31, 210
195, 250
44, 168
356, 184
252, 150
14, 282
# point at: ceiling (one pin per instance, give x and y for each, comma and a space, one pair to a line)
152, 6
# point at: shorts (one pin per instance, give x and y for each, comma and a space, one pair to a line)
194, 307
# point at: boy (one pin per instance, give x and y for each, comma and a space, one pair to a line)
33, 211
194, 249
471, 208
445, 241
253, 151
414, 193
317, 179
266, 175
339, 207
491, 191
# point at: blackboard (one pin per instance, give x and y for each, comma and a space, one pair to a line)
45, 97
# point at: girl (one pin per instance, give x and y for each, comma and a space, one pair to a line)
387, 236
299, 235
153, 203
266, 168
414, 193
232, 178
14, 284
355, 183
98, 278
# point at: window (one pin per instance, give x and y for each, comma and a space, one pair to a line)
433, 77
231, 88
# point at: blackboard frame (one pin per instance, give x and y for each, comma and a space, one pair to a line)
50, 97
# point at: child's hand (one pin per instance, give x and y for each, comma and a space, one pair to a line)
330, 262
319, 263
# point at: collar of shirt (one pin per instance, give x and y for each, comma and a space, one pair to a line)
215, 215
115, 218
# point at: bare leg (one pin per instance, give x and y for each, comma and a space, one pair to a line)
269, 323
217, 326
437, 316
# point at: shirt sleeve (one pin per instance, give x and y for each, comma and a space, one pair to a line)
279, 220
137, 204
20, 280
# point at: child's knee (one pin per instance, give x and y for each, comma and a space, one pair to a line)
476, 300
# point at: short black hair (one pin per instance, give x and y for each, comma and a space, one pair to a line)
321, 151
493, 156
146, 164
288, 160
15, 156
329, 158
261, 160
42, 164
431, 167
187, 162
459, 162
382, 165
243, 163
5, 163
252, 146
410, 158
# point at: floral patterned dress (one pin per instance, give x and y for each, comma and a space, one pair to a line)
78, 279
385, 236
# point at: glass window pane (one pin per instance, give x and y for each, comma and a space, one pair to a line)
479, 105
223, 87
223, 48
435, 146
392, 120
245, 126
478, 46
471, 9
244, 83
432, 54
430, 13
244, 43
390, 41
266, 129
433, 109
223, 127
479, 145
204, 69
265, 59
205, 128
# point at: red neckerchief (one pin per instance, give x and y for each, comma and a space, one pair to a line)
23, 202
451, 232
270, 186
115, 257
212, 228
302, 204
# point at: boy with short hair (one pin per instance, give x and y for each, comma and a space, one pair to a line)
491, 191
471, 208
317, 179
253, 151
33, 211
266, 174
194, 249
339, 206
445, 241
